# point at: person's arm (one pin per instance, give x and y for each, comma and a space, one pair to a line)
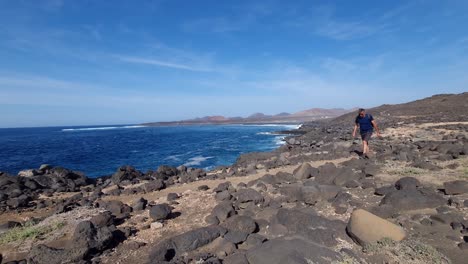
376, 127
354, 131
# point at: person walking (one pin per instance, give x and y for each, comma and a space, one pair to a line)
366, 125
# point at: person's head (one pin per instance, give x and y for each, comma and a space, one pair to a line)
362, 112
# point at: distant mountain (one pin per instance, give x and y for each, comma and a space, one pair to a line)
282, 114
322, 112
260, 118
212, 119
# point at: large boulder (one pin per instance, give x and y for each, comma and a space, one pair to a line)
223, 210
117, 208
239, 227
90, 239
125, 173
407, 183
294, 251
304, 171
413, 199
44, 254
56, 179
248, 195
183, 243
160, 212
366, 228
456, 187
310, 226
167, 170
154, 185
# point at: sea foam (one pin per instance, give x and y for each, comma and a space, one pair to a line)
99, 128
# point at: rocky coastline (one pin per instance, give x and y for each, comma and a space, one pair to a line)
312, 200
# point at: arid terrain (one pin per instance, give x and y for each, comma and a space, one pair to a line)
313, 200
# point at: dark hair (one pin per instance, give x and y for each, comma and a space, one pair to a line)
360, 111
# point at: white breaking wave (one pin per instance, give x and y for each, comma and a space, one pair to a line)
99, 128
279, 140
195, 161
173, 157
264, 133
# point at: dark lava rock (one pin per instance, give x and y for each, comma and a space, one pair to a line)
160, 211
212, 219
20, 201
44, 254
222, 187
154, 185
167, 170
292, 192
284, 177
125, 173
203, 188
117, 208
140, 204
384, 190
407, 183
223, 211
247, 195
88, 236
236, 258
413, 199
280, 251
239, 227
371, 170
304, 171
172, 196
183, 243
344, 175
134, 245
8, 225
456, 187
311, 226
103, 219
235, 237
240, 223
223, 196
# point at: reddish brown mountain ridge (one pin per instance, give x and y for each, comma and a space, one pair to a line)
298, 117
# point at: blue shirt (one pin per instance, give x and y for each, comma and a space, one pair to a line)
365, 123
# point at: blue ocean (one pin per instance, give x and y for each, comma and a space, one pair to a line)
99, 151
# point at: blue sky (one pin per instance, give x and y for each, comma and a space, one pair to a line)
117, 62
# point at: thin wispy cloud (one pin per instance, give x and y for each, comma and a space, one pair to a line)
160, 63
346, 30
229, 58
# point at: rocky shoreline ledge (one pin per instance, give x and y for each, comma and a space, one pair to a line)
310, 201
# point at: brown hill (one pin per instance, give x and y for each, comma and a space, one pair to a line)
437, 108
322, 112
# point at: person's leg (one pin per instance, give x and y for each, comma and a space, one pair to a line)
365, 147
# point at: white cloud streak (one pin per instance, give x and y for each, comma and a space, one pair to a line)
162, 63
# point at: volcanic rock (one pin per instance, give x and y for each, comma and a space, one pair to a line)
160, 211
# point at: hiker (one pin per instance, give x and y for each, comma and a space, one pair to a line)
366, 125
